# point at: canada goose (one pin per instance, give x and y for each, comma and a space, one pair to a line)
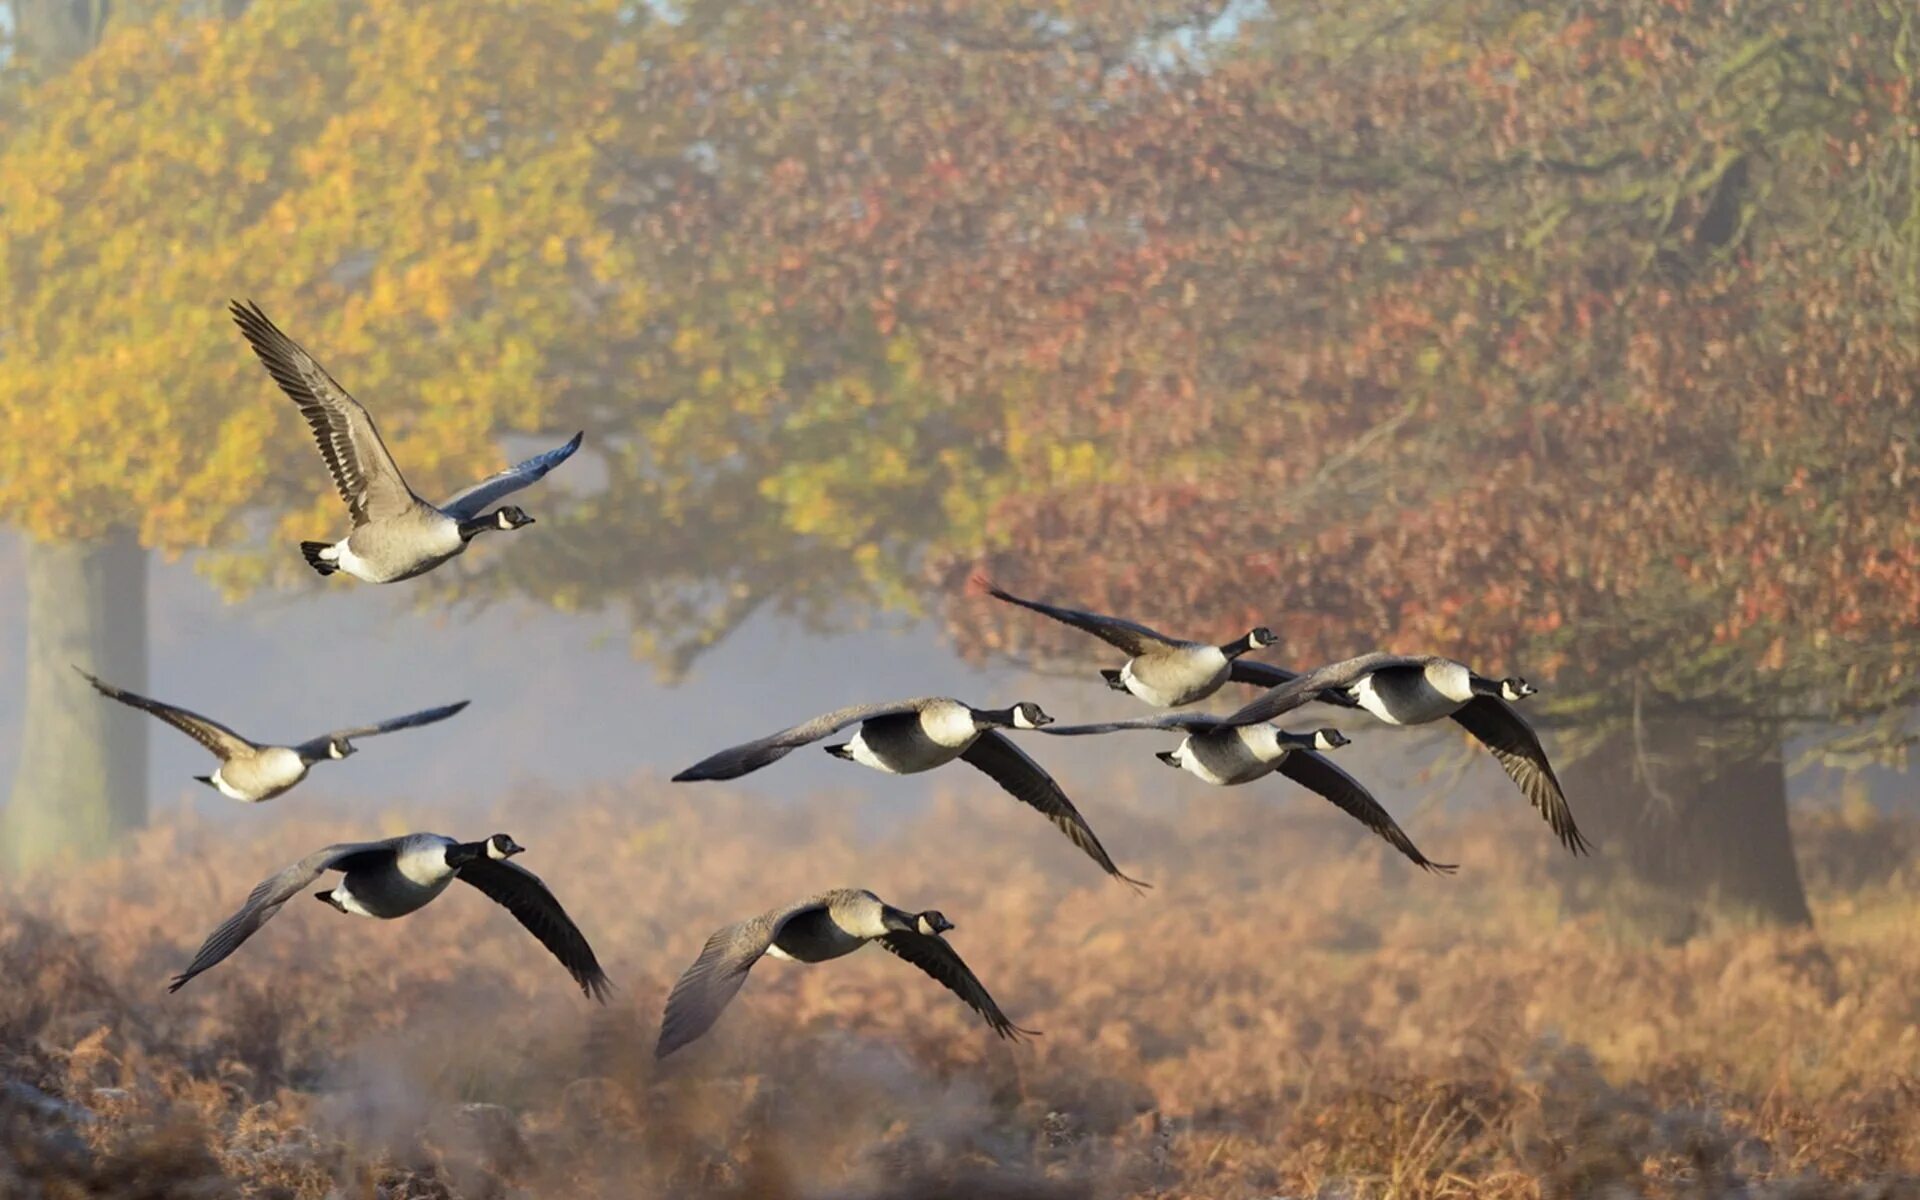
1227, 755
829, 925
252, 772
905, 737
1165, 672
1417, 689
399, 875
396, 535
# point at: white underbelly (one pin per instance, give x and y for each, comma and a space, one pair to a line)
1408, 706
226, 789
864, 755
344, 557
1192, 765
349, 902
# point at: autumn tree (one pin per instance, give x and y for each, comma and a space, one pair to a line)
1580, 346
404, 185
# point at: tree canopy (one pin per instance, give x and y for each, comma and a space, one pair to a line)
1559, 342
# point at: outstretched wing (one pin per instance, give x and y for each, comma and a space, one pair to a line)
736, 761
1315, 773
1130, 636
932, 954
522, 893
1304, 689
268, 896
706, 988
1517, 747
1026, 781
425, 716
1266, 675
208, 732
1188, 722
362, 468
473, 501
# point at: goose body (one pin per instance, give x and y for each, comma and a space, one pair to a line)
911, 742
1234, 755
268, 772
818, 929
252, 772
1163, 671
1227, 756
907, 737
396, 534
397, 876
1418, 690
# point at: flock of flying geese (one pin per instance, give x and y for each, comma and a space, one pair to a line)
397, 535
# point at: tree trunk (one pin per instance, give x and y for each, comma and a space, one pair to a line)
1696, 815
82, 778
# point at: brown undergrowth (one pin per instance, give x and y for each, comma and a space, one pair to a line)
1290, 1012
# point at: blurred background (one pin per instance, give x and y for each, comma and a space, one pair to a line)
1577, 343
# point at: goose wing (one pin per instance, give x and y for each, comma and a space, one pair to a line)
224, 742
706, 988
1315, 773
425, 716
932, 954
1266, 675
736, 761
362, 469
1026, 781
473, 501
274, 891
1186, 722
523, 894
1130, 636
1304, 689
1517, 747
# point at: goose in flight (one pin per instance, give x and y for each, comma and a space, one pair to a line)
396, 535
252, 772
905, 737
827, 926
1165, 672
400, 875
1415, 690
1229, 755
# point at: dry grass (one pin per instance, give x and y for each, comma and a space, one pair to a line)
1290, 1012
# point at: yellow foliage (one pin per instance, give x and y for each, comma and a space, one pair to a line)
408, 190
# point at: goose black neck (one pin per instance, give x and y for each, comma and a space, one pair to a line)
477, 525
1237, 647
461, 853
998, 718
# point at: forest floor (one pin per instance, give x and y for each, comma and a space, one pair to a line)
1290, 1012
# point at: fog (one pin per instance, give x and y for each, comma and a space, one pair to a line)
1577, 348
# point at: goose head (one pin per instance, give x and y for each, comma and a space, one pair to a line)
500, 847
511, 517
932, 922
1329, 738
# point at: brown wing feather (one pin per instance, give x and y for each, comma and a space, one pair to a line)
362, 469
1026, 781
933, 955
1130, 636
1514, 744
1317, 775
224, 742
523, 894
